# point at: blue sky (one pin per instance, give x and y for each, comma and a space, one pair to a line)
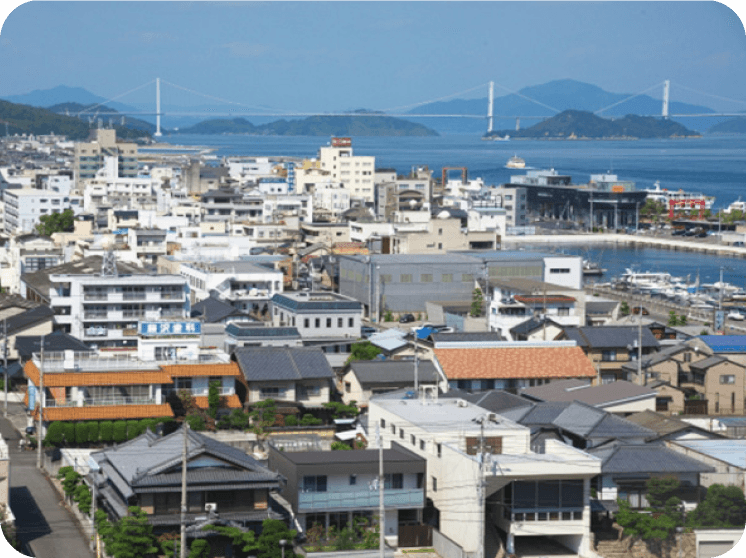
343, 55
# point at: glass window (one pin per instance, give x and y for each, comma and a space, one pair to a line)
727, 379
306, 322
447, 278
426, 278
340, 322
393, 481
314, 483
329, 322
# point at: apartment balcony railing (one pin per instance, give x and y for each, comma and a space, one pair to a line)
542, 514
96, 296
404, 498
55, 361
222, 391
102, 402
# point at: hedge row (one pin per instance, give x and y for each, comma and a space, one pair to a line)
106, 431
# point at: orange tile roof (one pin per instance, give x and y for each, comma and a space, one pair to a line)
109, 412
514, 362
231, 401
181, 370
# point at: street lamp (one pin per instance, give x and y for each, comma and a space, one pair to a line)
283, 543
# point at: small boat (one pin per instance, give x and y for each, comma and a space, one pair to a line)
498, 138
737, 205
515, 162
592, 269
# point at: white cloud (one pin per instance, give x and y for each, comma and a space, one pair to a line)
246, 50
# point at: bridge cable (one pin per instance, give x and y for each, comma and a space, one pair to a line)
708, 94
222, 100
527, 98
433, 100
628, 98
114, 98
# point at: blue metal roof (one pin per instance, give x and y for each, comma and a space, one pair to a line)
729, 451
725, 343
424, 332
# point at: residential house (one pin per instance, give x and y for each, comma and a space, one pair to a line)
610, 347
337, 488
509, 365
224, 485
486, 487
27, 253
212, 310
362, 379
95, 386
288, 375
260, 334
620, 397
626, 469
727, 457
21, 317
671, 428
515, 301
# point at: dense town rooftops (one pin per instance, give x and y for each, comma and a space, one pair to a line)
580, 390
315, 301
282, 363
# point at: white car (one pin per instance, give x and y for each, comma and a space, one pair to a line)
734, 315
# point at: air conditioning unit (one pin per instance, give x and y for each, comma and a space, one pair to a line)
211, 507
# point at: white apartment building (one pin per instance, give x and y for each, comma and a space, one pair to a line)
244, 285
355, 172
108, 188
483, 474
104, 310
331, 197
25, 206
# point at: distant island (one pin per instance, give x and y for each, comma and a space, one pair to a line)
315, 126
25, 119
731, 126
129, 121
576, 124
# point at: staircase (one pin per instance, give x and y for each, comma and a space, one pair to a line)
608, 545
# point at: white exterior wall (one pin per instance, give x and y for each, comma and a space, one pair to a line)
647, 404
355, 172
281, 316
24, 207
572, 280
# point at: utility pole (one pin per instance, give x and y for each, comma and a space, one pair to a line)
41, 404
378, 294
481, 489
416, 363
643, 381
381, 509
5, 364
184, 491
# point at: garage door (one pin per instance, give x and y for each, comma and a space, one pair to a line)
710, 549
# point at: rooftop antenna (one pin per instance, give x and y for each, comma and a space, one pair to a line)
109, 263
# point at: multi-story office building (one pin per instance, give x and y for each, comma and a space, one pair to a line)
89, 156
354, 171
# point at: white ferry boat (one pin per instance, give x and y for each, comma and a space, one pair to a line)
515, 162
737, 205
664, 195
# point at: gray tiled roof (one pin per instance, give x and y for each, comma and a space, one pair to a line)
646, 458
213, 310
259, 329
282, 363
315, 302
392, 371
706, 363
610, 336
466, 337
598, 396
661, 356
57, 341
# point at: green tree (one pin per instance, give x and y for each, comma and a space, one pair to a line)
673, 320
341, 410
244, 542
107, 431
199, 548
55, 433
119, 432
682, 320
476, 303
340, 446
56, 222
363, 350
82, 496
81, 433
69, 428
263, 413
195, 421
666, 511
310, 420
723, 506
273, 531
70, 479
213, 398
624, 308
133, 429
291, 420
132, 536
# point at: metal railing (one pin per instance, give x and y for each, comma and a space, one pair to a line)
102, 402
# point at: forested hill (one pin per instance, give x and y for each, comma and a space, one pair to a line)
575, 124
315, 126
25, 119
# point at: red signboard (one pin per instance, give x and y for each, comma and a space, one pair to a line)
341, 142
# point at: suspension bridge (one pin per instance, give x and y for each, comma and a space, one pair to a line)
489, 116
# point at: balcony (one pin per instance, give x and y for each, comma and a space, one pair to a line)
199, 392
102, 402
407, 498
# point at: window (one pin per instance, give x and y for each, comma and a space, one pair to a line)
563, 311
353, 480
422, 445
340, 322
314, 483
440, 232
383, 423
467, 277
420, 479
393, 429
440, 449
435, 484
351, 323
348, 388
687, 357
608, 356
727, 379
413, 439
317, 322
405, 278
446, 277
393, 481
306, 322
440, 245
401, 433
560, 270
426, 278
329, 323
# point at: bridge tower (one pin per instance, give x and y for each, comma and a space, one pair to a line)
489, 107
666, 87
517, 123
157, 108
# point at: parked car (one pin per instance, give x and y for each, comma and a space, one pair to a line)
636, 310
678, 232
367, 331
735, 315
738, 243
406, 319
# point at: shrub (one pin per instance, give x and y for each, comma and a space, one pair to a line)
196, 422
133, 429
69, 428
106, 431
119, 432
310, 420
291, 420
146, 424
93, 431
340, 446
55, 433
199, 548
82, 496
81, 433
239, 419
213, 398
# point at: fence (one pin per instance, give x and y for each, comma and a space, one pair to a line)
446, 548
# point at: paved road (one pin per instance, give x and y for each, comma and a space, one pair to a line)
46, 528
